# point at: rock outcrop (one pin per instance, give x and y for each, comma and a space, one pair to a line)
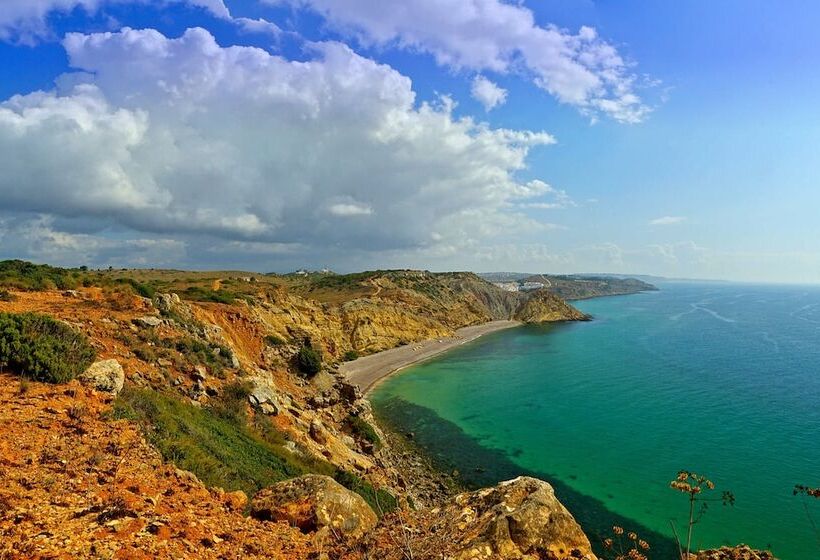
315, 503
517, 519
107, 376
740, 552
545, 307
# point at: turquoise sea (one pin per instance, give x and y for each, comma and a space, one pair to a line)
720, 379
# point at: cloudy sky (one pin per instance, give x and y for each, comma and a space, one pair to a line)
679, 139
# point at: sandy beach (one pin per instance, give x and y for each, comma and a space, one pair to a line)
366, 372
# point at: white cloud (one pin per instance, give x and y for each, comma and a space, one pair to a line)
495, 36
350, 209
261, 26
184, 139
667, 221
489, 94
25, 20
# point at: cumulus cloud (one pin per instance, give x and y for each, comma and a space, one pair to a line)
579, 69
488, 93
182, 138
667, 221
259, 25
25, 20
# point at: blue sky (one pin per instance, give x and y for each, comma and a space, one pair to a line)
678, 139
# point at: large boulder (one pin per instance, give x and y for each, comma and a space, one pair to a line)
315, 503
106, 375
520, 518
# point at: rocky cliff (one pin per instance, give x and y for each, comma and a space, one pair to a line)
542, 306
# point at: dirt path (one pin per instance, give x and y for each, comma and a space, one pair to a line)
368, 371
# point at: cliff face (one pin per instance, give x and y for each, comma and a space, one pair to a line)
543, 306
375, 311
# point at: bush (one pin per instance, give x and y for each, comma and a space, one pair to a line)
41, 348
5, 295
36, 277
309, 360
197, 293
274, 340
350, 355
362, 429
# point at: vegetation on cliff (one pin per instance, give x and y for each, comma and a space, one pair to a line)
38, 347
225, 447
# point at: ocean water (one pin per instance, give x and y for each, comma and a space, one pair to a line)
720, 379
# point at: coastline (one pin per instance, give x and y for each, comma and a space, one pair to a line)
367, 372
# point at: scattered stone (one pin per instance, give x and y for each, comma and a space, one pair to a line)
200, 373
72, 294
740, 552
106, 375
147, 322
318, 432
166, 302
291, 447
235, 501
313, 503
269, 408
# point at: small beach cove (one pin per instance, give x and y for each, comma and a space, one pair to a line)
719, 379
368, 371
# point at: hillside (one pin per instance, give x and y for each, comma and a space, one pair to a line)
569, 287
215, 423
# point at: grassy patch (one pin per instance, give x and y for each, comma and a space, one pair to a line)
222, 449
274, 340
198, 293
350, 355
39, 347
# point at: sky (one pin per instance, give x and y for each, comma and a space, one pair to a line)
679, 139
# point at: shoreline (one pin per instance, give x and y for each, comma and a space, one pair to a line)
367, 372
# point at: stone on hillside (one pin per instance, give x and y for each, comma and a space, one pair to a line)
315, 503
264, 396
166, 302
149, 321
318, 432
740, 552
106, 375
200, 373
520, 518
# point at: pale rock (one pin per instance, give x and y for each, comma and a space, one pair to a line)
315, 503
106, 375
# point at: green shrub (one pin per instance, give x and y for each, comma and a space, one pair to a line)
144, 290
41, 348
197, 293
350, 355
197, 352
274, 340
380, 500
309, 360
362, 429
35, 277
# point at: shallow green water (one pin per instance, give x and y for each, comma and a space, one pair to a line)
717, 378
